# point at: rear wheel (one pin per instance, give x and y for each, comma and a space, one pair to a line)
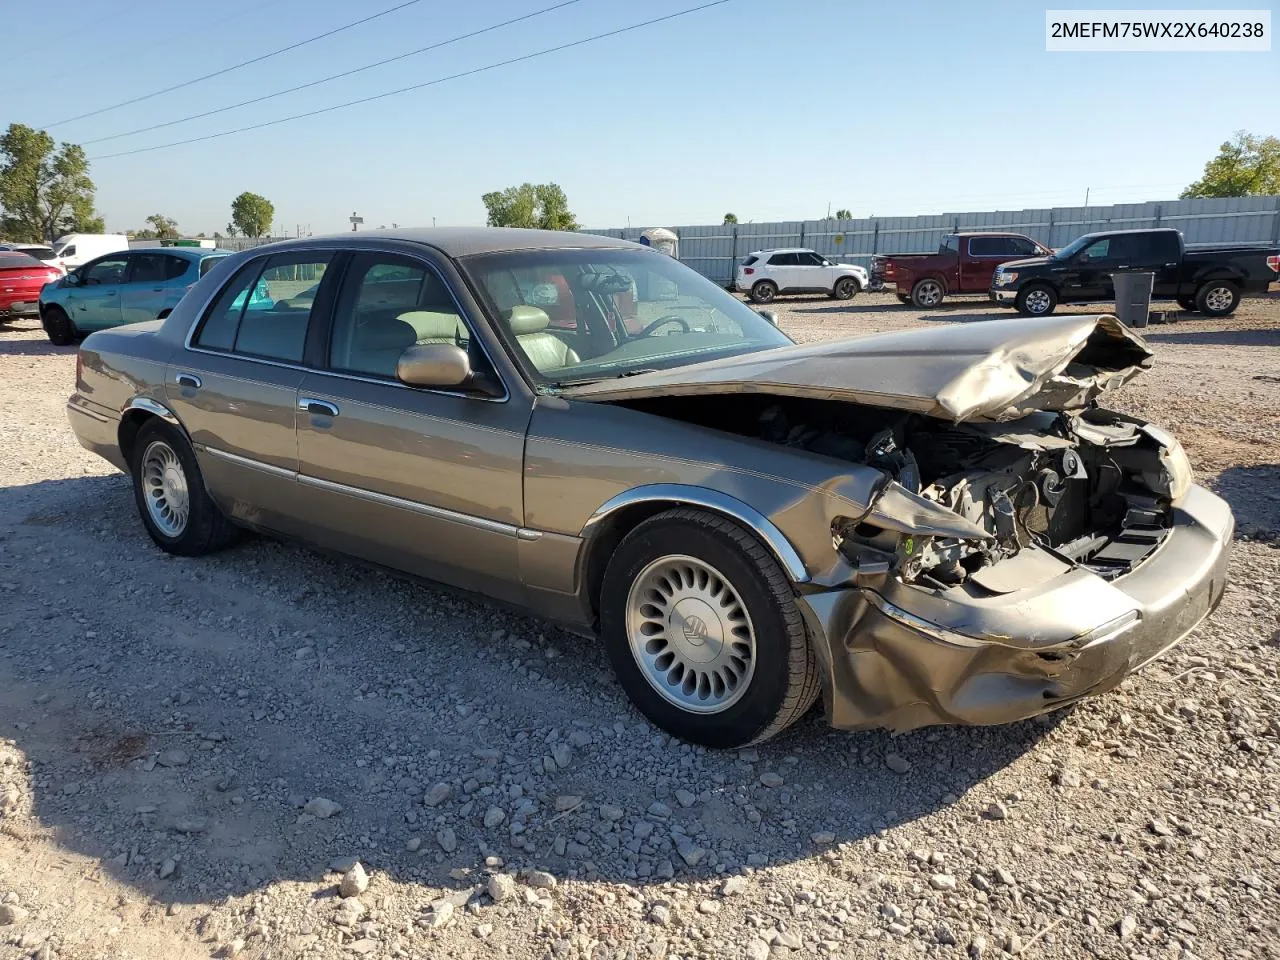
764, 291
62, 332
703, 631
1036, 300
845, 288
175, 508
927, 293
1217, 298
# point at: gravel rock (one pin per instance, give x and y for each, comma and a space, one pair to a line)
322, 808
567, 802
441, 914
942, 881
771, 779
354, 882
494, 816
997, 811
757, 950
501, 886
897, 763
447, 839
1127, 927
685, 798
437, 795
733, 886
12, 914
539, 880
173, 757
660, 914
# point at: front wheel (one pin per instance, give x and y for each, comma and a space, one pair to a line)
62, 332
845, 288
704, 633
1036, 300
764, 291
1217, 298
927, 293
178, 513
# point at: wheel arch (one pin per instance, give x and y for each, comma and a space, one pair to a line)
617, 517
136, 413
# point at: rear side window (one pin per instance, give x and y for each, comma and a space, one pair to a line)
264, 310
949, 245
207, 264
783, 260
156, 267
749, 261
992, 247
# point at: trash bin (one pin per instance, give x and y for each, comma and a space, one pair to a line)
1133, 297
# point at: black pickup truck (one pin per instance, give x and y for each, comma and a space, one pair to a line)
1209, 279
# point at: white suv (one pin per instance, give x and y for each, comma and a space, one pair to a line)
766, 273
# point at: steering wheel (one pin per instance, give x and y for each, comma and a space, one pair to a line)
669, 318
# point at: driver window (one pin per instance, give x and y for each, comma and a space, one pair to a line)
108, 271
1098, 250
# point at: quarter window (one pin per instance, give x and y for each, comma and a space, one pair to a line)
265, 309
386, 306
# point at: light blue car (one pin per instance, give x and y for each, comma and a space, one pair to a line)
127, 287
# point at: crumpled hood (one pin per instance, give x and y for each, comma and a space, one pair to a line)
989, 370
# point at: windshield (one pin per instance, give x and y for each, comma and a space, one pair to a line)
577, 315
1075, 246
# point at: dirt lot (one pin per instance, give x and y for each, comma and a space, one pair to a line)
166, 727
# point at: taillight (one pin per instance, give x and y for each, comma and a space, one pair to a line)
748, 271
1274, 263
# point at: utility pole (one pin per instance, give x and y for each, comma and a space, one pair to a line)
1086, 196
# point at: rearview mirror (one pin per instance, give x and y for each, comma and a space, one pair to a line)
442, 366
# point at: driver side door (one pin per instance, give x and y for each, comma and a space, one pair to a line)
1089, 275
94, 302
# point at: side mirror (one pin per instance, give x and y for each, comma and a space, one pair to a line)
72, 280
442, 366
769, 315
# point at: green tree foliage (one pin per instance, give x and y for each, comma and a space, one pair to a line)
45, 190
844, 214
730, 218
1246, 165
251, 215
164, 228
541, 206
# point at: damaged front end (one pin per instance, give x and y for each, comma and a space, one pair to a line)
1023, 546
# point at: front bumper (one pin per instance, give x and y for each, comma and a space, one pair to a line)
903, 657
1003, 295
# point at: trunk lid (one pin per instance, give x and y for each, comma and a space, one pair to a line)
992, 370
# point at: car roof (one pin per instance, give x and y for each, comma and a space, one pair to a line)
1113, 233
985, 233
465, 241
757, 253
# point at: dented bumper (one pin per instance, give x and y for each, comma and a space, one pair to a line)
902, 657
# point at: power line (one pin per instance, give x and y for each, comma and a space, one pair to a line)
336, 76
237, 66
417, 86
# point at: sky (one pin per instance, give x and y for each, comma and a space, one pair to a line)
769, 109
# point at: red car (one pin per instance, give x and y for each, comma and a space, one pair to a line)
21, 279
964, 263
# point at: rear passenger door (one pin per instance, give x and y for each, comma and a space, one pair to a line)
784, 270
152, 285
235, 385
427, 481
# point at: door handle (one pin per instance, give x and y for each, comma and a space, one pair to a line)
188, 380
157, 289
110, 293
317, 408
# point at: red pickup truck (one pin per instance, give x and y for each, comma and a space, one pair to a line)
964, 263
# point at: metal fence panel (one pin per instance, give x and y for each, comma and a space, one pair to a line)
715, 249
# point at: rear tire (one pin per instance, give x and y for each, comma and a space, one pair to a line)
169, 492
928, 293
845, 288
764, 291
704, 632
1218, 298
1036, 300
62, 332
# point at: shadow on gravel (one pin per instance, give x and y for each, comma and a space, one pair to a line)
1261, 337
939, 312
31, 348
1254, 495
178, 714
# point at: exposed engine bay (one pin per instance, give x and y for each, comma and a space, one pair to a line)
1092, 488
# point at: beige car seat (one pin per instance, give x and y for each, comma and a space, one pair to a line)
545, 350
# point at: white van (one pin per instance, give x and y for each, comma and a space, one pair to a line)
76, 249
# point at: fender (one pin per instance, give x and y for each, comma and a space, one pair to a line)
714, 501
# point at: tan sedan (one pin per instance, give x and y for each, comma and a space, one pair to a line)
939, 526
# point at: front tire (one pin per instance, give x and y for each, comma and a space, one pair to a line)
704, 633
62, 332
1036, 300
169, 492
764, 291
1217, 298
845, 289
927, 293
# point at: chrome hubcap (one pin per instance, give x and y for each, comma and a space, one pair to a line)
1219, 298
690, 634
1037, 301
164, 489
930, 294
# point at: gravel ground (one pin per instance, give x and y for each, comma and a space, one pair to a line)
193, 753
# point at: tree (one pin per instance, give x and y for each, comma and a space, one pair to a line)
843, 214
730, 218
251, 215
162, 228
541, 206
45, 190
1246, 165
231, 229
